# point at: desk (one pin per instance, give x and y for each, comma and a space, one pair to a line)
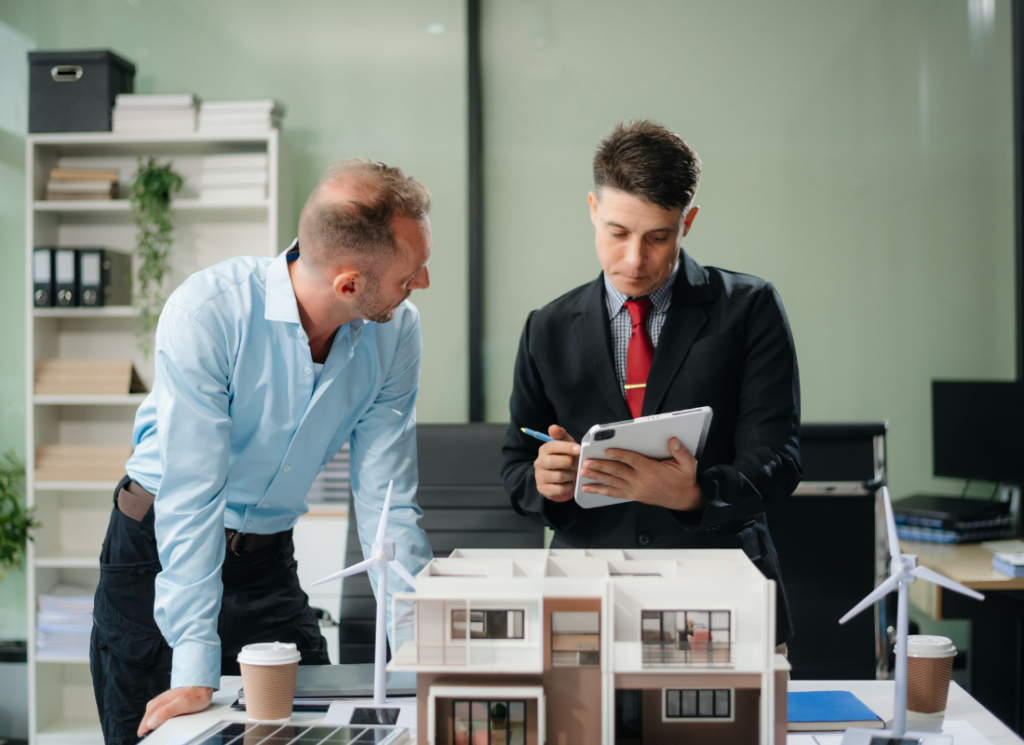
997, 633
877, 694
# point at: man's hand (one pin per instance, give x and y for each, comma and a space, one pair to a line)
173, 703
670, 483
555, 467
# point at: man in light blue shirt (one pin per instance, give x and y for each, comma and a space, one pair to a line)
264, 368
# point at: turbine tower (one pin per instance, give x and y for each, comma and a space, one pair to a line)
382, 556
902, 571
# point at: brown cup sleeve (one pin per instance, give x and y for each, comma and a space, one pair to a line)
928, 683
269, 690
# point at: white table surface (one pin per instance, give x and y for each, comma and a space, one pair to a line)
876, 694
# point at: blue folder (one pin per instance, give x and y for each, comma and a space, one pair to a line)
825, 711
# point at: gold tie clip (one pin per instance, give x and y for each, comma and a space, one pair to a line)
631, 386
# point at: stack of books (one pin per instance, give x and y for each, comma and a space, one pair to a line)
64, 623
1011, 564
82, 183
155, 112
923, 517
240, 117
233, 177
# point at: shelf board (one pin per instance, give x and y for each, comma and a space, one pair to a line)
108, 311
121, 208
75, 485
127, 399
62, 660
67, 562
72, 730
144, 138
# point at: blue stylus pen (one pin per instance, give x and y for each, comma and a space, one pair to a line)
539, 435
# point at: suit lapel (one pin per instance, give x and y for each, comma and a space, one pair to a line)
685, 320
594, 337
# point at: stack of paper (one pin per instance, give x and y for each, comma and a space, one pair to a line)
155, 112
82, 183
64, 623
234, 177
240, 117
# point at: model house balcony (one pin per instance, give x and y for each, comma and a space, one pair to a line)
685, 637
438, 633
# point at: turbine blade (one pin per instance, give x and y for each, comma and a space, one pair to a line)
382, 528
362, 566
890, 526
940, 579
880, 592
402, 572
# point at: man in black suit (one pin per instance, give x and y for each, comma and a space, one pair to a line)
657, 332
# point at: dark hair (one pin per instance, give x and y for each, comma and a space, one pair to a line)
360, 228
643, 158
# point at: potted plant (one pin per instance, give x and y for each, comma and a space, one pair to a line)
155, 185
15, 520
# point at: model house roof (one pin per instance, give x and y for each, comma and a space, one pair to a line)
540, 568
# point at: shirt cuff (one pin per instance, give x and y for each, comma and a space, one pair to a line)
195, 664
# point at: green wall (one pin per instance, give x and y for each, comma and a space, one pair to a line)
13, 118
856, 154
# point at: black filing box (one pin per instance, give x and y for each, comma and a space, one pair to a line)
75, 91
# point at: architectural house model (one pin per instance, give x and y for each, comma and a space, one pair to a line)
573, 646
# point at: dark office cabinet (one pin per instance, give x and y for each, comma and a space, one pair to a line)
75, 91
104, 277
830, 537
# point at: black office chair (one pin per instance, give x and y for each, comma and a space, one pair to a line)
830, 537
464, 506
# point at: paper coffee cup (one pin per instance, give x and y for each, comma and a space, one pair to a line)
929, 667
268, 678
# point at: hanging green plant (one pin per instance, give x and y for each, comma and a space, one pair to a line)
15, 520
155, 185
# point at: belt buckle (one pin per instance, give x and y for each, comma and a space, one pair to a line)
233, 544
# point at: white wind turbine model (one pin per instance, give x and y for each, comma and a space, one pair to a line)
382, 556
902, 571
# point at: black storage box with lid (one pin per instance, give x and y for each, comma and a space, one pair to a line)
75, 91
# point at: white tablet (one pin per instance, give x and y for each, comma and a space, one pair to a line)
648, 436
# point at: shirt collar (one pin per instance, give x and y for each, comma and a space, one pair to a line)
661, 298
281, 304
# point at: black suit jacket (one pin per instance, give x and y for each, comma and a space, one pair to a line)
726, 344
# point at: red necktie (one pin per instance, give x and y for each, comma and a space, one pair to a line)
639, 354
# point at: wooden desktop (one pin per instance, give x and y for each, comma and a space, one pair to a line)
997, 635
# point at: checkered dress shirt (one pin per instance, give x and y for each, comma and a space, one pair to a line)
622, 327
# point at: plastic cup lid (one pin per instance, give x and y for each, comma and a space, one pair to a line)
271, 653
930, 646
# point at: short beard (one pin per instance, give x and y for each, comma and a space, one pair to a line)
372, 308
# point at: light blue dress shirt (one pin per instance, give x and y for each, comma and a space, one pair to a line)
238, 425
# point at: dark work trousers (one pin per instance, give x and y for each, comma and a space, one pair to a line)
128, 656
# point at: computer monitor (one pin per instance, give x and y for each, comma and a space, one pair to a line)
978, 430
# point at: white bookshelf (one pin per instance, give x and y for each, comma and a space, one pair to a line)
74, 514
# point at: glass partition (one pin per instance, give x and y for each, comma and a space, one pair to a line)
686, 637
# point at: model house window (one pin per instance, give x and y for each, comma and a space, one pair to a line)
489, 722
488, 624
575, 639
692, 705
699, 637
